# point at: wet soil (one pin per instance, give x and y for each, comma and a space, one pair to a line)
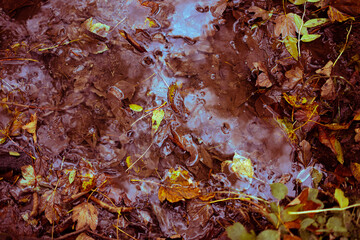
194, 60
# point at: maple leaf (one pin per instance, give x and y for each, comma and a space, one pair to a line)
85, 214
178, 186
285, 26
31, 126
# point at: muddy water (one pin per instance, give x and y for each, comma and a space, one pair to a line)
85, 88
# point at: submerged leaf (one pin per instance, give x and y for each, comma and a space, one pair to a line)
178, 186
240, 165
157, 117
328, 91
85, 214
259, 12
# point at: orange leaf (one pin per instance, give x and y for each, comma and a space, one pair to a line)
31, 126
355, 170
336, 15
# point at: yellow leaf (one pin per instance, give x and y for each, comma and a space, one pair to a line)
336, 15
288, 129
357, 115
129, 163
157, 117
291, 46
16, 154
240, 165
31, 126
85, 215
135, 107
340, 198
29, 177
151, 23
99, 29
178, 186
355, 170
72, 176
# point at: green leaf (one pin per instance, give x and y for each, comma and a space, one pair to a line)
316, 176
297, 2
157, 117
72, 175
310, 37
313, 1
336, 224
290, 44
315, 22
300, 25
306, 222
15, 154
268, 235
339, 152
238, 232
340, 198
274, 219
135, 107
279, 190
286, 217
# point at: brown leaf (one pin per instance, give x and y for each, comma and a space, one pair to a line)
293, 76
357, 135
49, 202
336, 15
83, 236
263, 80
331, 142
285, 26
305, 152
178, 186
326, 70
259, 12
328, 90
85, 215
357, 115
355, 170
30, 179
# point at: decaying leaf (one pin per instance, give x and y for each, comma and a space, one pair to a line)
83, 236
50, 204
178, 186
157, 117
355, 170
285, 26
263, 78
97, 28
357, 115
326, 70
335, 15
31, 126
340, 198
85, 214
331, 142
293, 76
259, 12
305, 152
240, 165
328, 90
288, 128
357, 135
30, 179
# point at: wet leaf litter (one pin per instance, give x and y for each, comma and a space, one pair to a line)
179, 119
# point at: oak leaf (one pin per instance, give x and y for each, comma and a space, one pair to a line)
85, 214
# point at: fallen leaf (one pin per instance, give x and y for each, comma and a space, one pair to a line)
357, 135
83, 236
50, 201
293, 76
295, 101
132, 41
31, 126
336, 15
357, 115
328, 90
331, 142
291, 46
263, 80
305, 152
326, 70
285, 26
340, 198
355, 170
97, 28
178, 186
288, 128
135, 107
85, 214
241, 166
157, 117
259, 12
337, 126
29, 178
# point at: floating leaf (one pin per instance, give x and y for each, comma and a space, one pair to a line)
310, 37
178, 186
336, 15
31, 126
135, 107
340, 198
291, 46
279, 190
157, 117
238, 232
151, 23
15, 154
287, 127
315, 22
85, 214
49, 201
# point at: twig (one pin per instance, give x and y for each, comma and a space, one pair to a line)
343, 49
335, 209
112, 209
66, 236
125, 233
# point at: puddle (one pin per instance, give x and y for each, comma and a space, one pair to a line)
193, 47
